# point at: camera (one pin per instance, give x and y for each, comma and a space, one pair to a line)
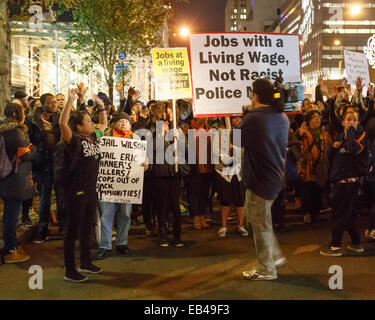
289, 96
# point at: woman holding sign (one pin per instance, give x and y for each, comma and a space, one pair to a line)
81, 166
122, 128
166, 180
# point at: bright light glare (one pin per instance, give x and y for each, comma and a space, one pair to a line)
355, 9
184, 32
337, 42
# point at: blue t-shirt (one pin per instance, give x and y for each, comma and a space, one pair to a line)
264, 134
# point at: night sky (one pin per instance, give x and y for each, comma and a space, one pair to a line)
201, 15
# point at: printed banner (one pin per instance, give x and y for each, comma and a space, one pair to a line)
120, 178
171, 73
224, 66
356, 65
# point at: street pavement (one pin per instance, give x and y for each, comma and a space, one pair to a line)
208, 267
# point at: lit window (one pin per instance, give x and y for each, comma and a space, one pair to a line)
235, 10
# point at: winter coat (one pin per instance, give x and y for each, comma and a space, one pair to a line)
43, 159
18, 185
314, 162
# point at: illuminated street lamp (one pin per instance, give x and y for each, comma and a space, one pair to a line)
184, 32
355, 9
337, 42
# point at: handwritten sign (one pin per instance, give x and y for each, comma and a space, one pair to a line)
120, 178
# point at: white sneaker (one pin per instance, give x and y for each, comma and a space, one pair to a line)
242, 231
222, 232
307, 218
254, 275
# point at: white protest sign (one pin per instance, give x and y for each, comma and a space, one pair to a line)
356, 65
224, 67
120, 177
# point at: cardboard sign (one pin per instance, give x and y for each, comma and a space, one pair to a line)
171, 73
356, 65
120, 178
224, 67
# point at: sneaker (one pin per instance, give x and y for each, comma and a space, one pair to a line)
254, 275
163, 243
16, 256
328, 251
356, 247
40, 239
103, 253
122, 249
222, 232
307, 218
75, 276
90, 268
280, 262
178, 244
242, 231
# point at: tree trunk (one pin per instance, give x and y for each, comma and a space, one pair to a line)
5, 57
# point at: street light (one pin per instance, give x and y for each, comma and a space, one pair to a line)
184, 31
355, 9
337, 42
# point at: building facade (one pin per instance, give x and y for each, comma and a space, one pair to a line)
251, 15
327, 28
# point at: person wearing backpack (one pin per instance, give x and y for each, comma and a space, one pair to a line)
348, 155
78, 133
16, 182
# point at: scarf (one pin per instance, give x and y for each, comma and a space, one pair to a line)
121, 134
86, 137
316, 135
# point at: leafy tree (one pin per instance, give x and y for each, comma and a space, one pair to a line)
105, 27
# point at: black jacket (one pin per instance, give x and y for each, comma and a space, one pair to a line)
43, 159
345, 159
19, 185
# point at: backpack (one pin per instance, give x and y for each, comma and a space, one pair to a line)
63, 165
7, 166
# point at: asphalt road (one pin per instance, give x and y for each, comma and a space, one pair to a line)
208, 267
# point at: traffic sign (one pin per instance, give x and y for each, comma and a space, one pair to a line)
122, 56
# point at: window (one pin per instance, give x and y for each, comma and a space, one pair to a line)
235, 10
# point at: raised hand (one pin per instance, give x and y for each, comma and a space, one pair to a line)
119, 86
81, 89
371, 91
136, 95
72, 94
359, 84
98, 100
303, 129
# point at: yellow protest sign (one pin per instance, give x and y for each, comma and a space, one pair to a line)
172, 73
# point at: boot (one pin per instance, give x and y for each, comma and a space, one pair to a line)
203, 222
196, 223
150, 230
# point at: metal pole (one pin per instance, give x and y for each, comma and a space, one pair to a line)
123, 79
57, 61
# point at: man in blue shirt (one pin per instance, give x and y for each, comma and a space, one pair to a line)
264, 135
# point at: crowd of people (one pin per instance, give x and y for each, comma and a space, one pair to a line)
323, 154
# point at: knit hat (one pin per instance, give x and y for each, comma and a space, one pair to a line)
105, 98
121, 115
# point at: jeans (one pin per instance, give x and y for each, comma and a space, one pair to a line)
371, 224
198, 187
108, 210
81, 208
167, 199
12, 210
311, 199
258, 212
44, 183
344, 217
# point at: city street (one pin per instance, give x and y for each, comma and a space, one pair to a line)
208, 267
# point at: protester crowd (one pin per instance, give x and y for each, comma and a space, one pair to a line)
323, 156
